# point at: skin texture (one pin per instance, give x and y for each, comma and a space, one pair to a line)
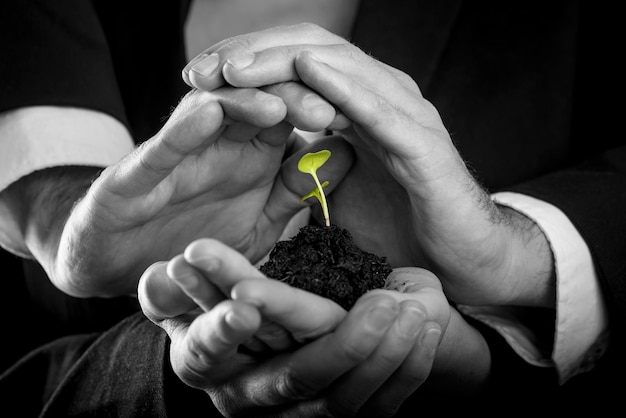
299, 346
213, 170
278, 320
483, 254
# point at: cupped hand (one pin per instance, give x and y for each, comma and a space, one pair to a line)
441, 217
212, 171
304, 355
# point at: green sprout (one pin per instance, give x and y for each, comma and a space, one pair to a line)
309, 163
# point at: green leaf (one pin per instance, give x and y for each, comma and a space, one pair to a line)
315, 192
309, 163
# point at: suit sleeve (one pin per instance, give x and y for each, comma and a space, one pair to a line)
593, 196
55, 53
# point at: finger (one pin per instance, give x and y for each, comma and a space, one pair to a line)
352, 390
373, 111
249, 111
223, 268
220, 265
295, 143
159, 297
240, 132
306, 110
304, 314
204, 71
210, 269
276, 65
208, 350
340, 122
394, 357
410, 280
312, 368
191, 281
353, 396
252, 106
195, 122
276, 135
409, 376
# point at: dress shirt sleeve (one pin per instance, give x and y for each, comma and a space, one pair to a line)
40, 137
581, 318
60, 102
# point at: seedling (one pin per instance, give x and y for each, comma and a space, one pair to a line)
308, 164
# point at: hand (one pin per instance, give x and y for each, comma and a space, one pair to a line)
483, 254
213, 170
325, 360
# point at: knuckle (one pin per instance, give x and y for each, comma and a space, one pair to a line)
291, 387
239, 44
408, 81
352, 52
309, 27
189, 368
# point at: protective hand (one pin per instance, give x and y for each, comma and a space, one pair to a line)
213, 170
442, 218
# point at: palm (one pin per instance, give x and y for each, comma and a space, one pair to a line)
192, 180
220, 192
375, 208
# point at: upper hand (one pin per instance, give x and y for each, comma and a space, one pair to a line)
442, 217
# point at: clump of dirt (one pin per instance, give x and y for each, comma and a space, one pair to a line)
326, 261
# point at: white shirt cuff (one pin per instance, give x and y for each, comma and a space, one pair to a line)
581, 317
39, 137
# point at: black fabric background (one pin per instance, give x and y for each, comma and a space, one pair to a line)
527, 90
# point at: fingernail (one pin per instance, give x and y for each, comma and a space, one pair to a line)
196, 59
241, 60
234, 321
380, 317
411, 321
430, 341
207, 65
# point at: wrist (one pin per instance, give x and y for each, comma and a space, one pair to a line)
530, 268
40, 204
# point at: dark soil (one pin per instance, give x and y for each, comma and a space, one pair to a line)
326, 261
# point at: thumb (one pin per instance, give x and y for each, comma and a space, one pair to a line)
195, 122
291, 184
159, 297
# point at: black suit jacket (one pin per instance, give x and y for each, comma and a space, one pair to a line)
527, 90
